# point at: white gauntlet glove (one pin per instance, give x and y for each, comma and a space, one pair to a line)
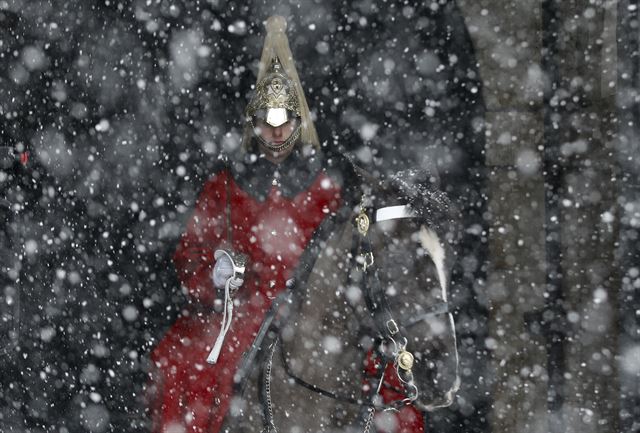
228, 272
224, 269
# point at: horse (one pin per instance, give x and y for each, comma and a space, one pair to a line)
369, 301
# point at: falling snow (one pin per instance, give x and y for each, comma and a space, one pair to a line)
114, 114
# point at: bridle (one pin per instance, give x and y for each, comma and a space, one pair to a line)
385, 320
392, 345
376, 301
391, 334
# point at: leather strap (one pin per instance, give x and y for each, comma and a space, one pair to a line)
393, 212
376, 301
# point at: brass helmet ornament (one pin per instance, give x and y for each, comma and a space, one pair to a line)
279, 96
276, 102
275, 97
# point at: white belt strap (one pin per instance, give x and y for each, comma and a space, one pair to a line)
224, 327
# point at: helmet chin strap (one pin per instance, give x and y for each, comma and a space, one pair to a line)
288, 143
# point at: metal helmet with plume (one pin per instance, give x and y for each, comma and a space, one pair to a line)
279, 92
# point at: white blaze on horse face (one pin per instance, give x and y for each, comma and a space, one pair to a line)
430, 242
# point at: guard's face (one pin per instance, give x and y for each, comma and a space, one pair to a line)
275, 136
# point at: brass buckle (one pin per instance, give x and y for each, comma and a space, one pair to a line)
392, 327
367, 260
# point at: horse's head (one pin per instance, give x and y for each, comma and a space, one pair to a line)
356, 279
411, 241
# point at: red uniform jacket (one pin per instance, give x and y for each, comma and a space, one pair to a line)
272, 226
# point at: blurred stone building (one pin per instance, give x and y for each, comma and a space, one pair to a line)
561, 91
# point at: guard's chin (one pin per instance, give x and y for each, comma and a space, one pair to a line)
275, 157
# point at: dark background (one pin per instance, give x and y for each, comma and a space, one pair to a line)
124, 107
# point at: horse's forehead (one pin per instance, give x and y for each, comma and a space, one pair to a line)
396, 233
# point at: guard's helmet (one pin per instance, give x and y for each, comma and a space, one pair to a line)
276, 100
278, 95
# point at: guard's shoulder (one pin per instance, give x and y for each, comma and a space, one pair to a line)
221, 164
211, 175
